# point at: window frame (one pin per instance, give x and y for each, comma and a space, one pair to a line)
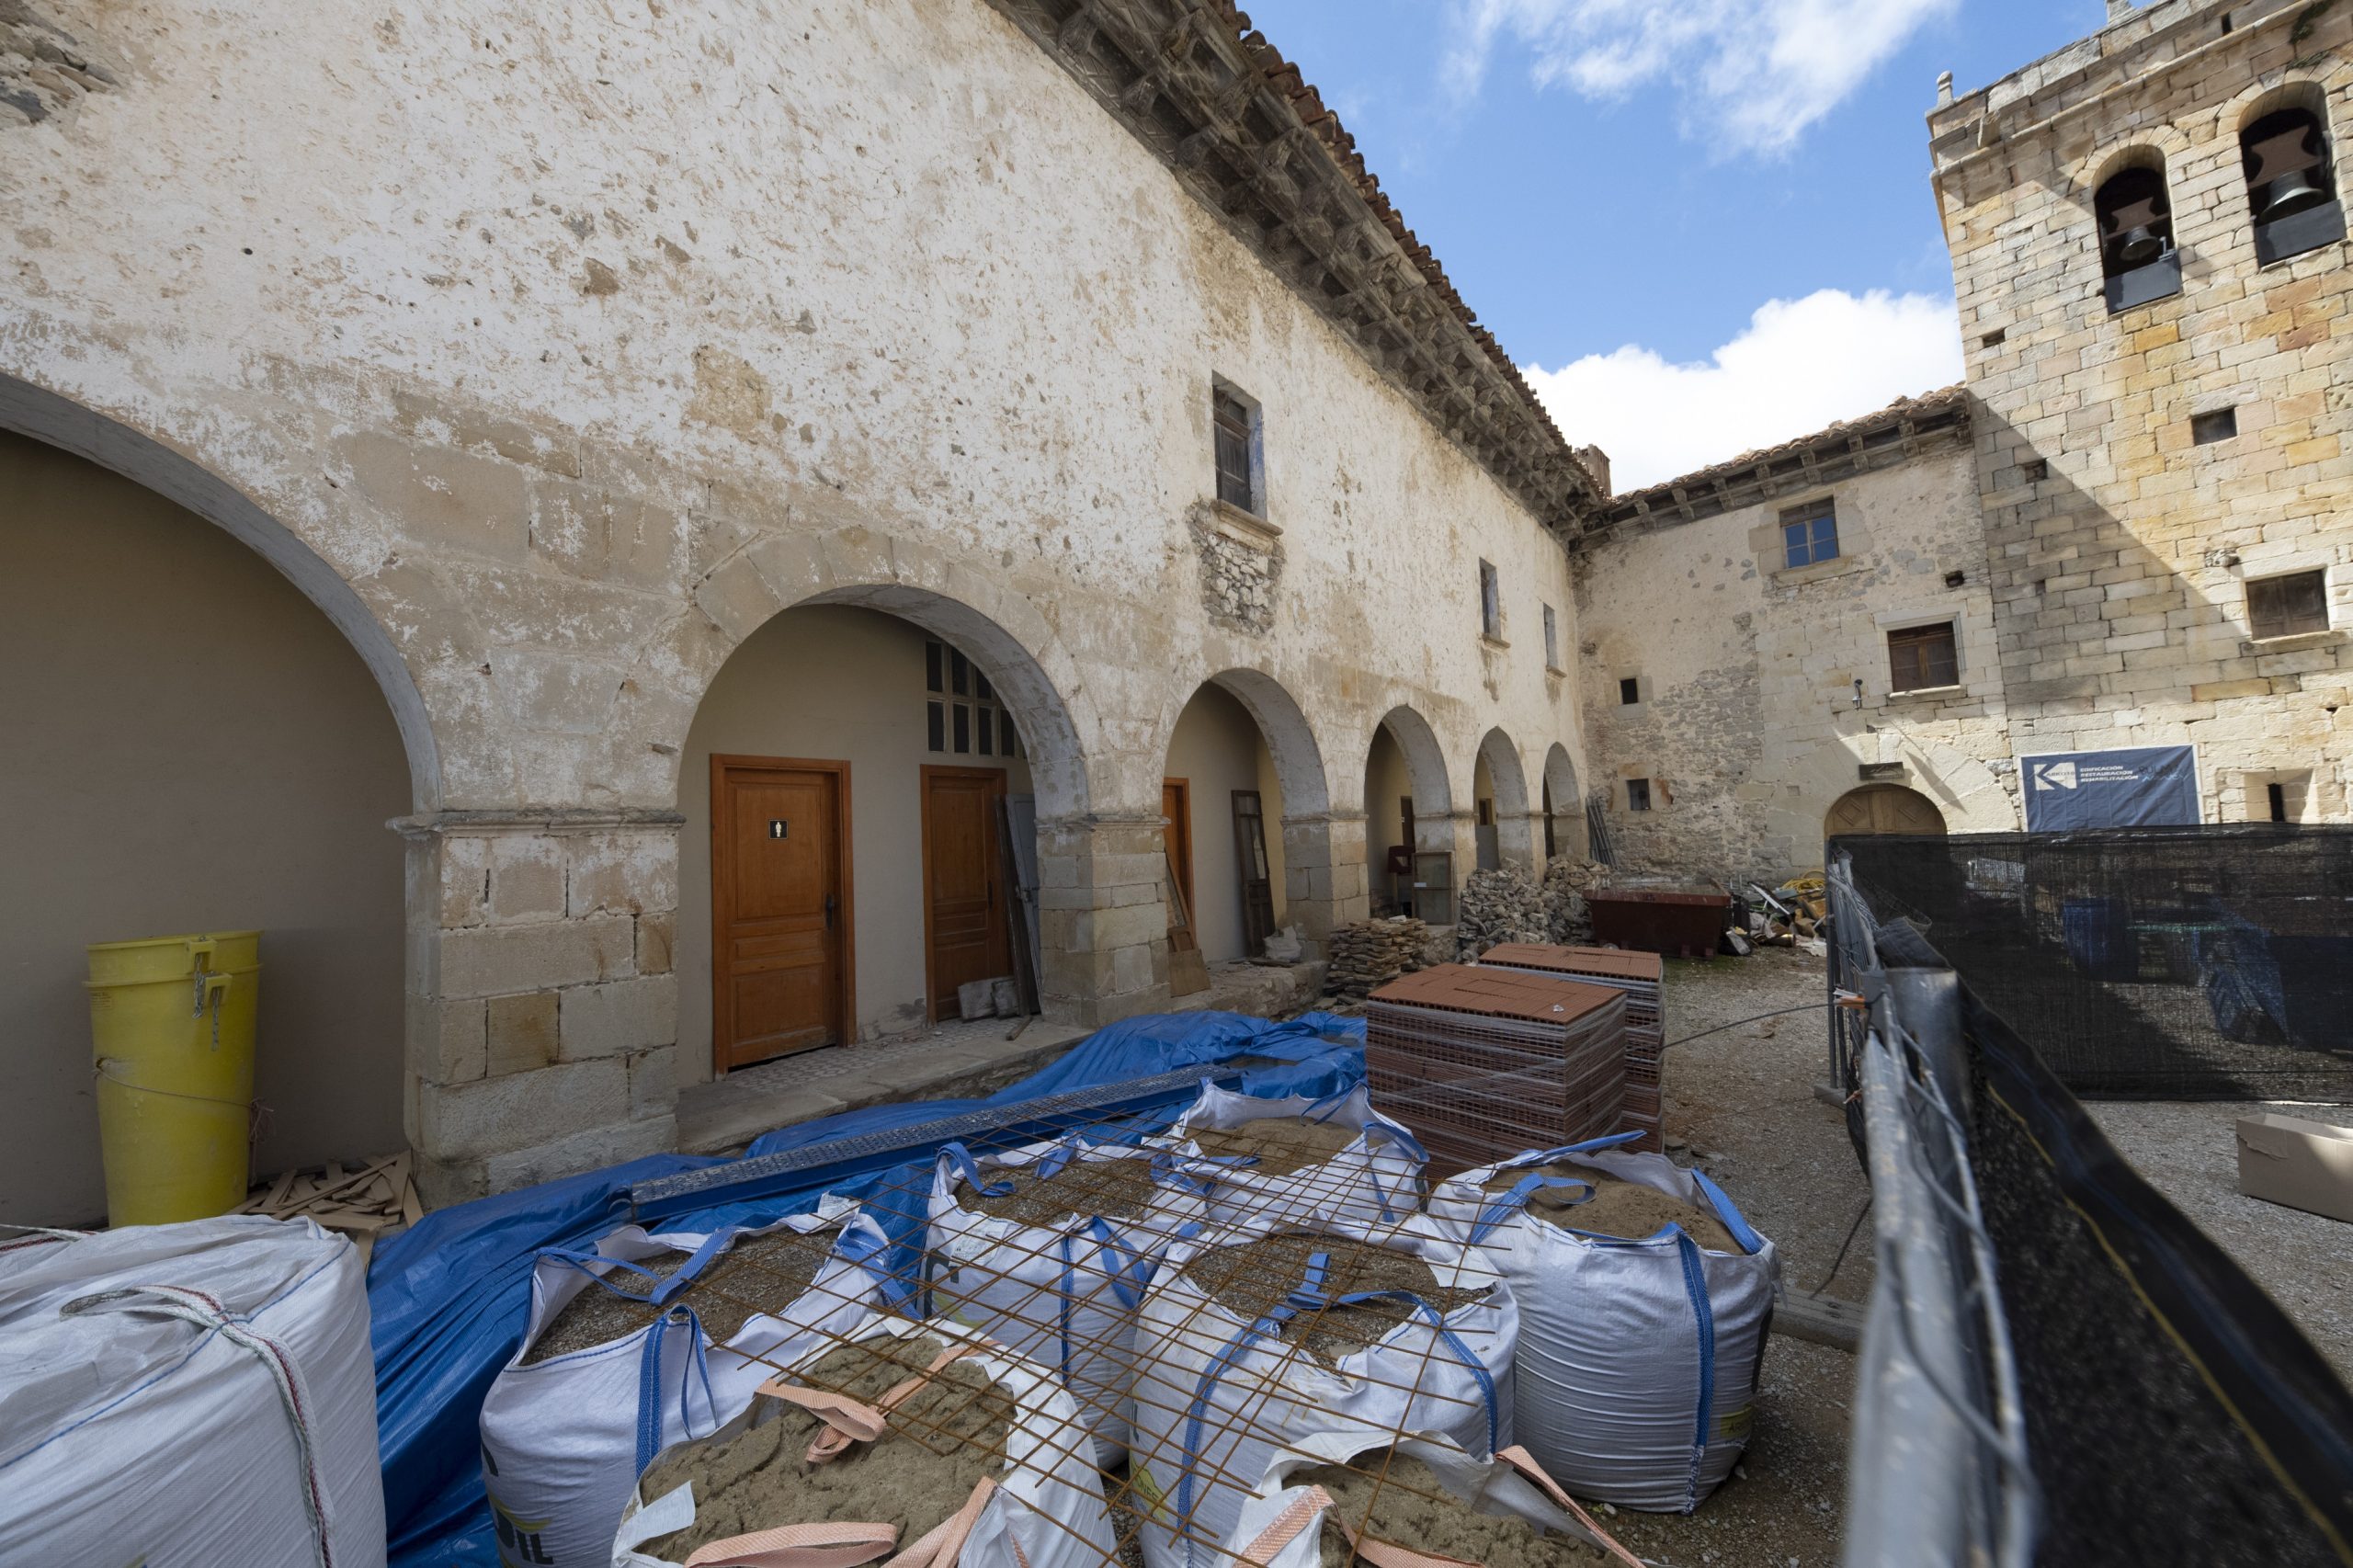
2282, 238
1491, 602
1809, 519
1250, 482
1552, 640
1923, 634
2276, 583
1638, 795
1629, 691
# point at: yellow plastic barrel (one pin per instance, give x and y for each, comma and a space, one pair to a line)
172, 1029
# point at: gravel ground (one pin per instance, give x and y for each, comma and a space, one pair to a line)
1742, 1102
2189, 1153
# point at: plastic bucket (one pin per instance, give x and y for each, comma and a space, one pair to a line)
172, 1035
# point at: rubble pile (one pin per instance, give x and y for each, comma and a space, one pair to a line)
1567, 922
1501, 905
1369, 954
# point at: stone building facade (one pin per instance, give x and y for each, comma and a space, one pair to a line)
2131, 516
2162, 463
1739, 706
572, 364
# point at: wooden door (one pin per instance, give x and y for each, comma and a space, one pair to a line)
780, 908
965, 934
1884, 808
1177, 805
1257, 874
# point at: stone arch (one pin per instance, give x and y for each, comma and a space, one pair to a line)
1514, 842
1424, 760
997, 628
47, 417
1883, 808
1298, 761
1566, 804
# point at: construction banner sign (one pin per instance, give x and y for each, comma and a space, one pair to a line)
2138, 787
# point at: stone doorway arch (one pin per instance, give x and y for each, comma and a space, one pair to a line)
1882, 809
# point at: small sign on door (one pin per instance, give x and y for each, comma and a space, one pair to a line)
775, 827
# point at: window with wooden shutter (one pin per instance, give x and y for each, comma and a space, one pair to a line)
2288, 605
1231, 418
1919, 657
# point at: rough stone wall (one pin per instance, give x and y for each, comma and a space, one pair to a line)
2120, 574
554, 351
1747, 726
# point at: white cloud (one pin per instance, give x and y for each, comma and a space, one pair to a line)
1800, 365
1752, 73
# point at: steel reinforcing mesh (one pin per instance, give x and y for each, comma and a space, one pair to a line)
2185, 963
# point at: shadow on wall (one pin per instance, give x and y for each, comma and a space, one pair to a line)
191, 747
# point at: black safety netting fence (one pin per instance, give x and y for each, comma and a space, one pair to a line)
2171, 1412
2157, 963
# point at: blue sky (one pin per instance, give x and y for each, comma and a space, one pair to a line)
1620, 187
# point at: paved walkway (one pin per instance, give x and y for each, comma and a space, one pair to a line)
962, 1059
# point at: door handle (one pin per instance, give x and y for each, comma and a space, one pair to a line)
829, 912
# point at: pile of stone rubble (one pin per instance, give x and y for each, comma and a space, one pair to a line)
1567, 922
1369, 954
1501, 905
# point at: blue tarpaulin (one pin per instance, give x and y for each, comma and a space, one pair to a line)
449, 1297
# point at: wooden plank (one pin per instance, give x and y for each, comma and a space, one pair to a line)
1818, 1320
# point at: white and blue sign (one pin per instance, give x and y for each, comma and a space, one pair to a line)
2138, 787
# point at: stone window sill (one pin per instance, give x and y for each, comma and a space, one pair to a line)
1554, 670
1247, 523
2295, 641
1492, 641
1929, 694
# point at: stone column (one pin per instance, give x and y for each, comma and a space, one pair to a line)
542, 1012
1103, 927
1324, 880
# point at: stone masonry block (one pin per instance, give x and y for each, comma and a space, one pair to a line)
626, 1016
521, 1110
494, 960
456, 1046
657, 935
624, 872
522, 1032
465, 880
652, 1083
591, 1150
526, 879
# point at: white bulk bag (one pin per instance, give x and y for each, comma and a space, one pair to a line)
1216, 1397
1063, 1295
1378, 1178
1280, 1527
564, 1439
193, 1394
1046, 1511
1638, 1360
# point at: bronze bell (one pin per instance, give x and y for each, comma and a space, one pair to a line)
2289, 194
2136, 246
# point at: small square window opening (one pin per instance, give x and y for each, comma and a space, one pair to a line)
1491, 603
1994, 338
1810, 536
1629, 691
1638, 794
2205, 429
2034, 470
2288, 606
1921, 657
